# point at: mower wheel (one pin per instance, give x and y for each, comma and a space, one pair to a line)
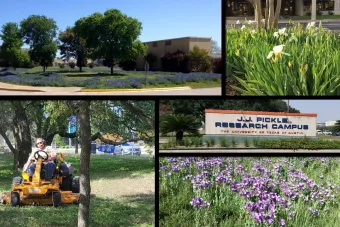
17, 181
15, 199
56, 199
75, 185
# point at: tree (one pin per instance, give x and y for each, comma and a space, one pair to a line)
215, 50
10, 50
179, 123
197, 108
271, 14
39, 32
336, 127
112, 36
200, 61
84, 171
73, 47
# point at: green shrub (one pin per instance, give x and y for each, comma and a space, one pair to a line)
246, 142
128, 65
72, 64
255, 142
175, 62
200, 60
233, 142
217, 66
61, 65
197, 141
187, 142
91, 65
224, 141
299, 143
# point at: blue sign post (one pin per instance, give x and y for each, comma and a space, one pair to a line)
72, 127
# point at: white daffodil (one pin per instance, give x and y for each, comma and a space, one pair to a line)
251, 22
243, 27
253, 32
277, 52
293, 38
238, 22
276, 35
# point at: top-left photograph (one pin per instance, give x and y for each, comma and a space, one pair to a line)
111, 48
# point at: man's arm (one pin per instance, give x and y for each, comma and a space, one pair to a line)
28, 161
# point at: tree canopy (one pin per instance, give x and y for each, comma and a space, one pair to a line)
197, 107
39, 32
111, 36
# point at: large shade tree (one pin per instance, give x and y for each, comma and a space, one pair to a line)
72, 46
112, 36
39, 33
10, 50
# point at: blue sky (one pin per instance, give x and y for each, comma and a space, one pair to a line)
161, 19
327, 110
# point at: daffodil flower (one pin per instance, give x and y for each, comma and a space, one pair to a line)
238, 22
250, 22
276, 35
253, 32
243, 27
277, 52
282, 31
311, 25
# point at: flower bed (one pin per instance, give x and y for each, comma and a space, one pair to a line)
249, 191
60, 80
288, 61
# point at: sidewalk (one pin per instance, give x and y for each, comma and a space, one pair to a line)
232, 20
24, 88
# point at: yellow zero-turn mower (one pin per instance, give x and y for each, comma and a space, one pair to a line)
63, 188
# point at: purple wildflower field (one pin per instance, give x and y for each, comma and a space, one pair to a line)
249, 191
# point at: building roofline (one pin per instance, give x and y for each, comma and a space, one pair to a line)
187, 37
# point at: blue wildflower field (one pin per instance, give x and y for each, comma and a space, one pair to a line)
249, 191
123, 80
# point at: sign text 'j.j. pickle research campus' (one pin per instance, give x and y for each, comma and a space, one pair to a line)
258, 123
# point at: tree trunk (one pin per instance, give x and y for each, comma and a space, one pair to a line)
266, 13
80, 68
258, 12
22, 132
111, 69
84, 171
271, 14
44, 68
277, 13
179, 136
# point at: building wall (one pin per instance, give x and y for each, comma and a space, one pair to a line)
330, 123
161, 47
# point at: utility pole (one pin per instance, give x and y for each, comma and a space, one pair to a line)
288, 106
313, 10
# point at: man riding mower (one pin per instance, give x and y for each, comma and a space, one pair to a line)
43, 188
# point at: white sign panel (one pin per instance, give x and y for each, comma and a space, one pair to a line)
255, 123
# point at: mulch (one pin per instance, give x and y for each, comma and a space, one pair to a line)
231, 91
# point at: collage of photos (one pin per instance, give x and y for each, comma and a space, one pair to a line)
170, 113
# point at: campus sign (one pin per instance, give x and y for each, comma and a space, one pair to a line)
233, 122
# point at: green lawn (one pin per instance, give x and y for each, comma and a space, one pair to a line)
318, 17
122, 194
328, 137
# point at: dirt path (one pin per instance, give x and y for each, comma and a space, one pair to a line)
118, 188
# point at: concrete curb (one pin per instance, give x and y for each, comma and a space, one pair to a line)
136, 90
21, 89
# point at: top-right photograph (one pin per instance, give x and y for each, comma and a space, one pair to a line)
282, 47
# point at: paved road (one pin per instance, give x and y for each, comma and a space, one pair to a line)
249, 151
334, 25
201, 91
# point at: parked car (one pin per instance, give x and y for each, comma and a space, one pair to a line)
129, 148
336, 134
319, 132
327, 133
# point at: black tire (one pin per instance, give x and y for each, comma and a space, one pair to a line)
75, 185
66, 184
17, 181
56, 199
15, 199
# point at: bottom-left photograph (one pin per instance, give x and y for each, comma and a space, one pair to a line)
77, 163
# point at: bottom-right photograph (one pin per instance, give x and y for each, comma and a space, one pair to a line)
249, 191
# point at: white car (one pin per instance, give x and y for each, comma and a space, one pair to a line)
327, 133
129, 148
